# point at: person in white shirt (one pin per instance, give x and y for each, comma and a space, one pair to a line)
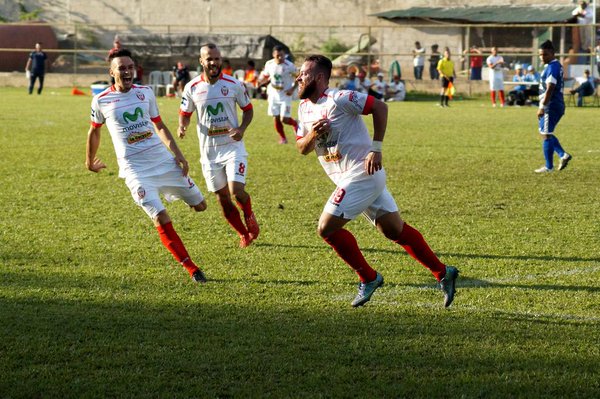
418, 61
584, 16
223, 155
148, 156
378, 87
281, 75
331, 124
495, 63
396, 90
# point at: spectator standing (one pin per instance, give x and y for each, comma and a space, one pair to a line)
496, 64
149, 159
418, 60
551, 108
585, 17
447, 74
597, 51
475, 62
223, 155
331, 125
181, 77
36, 67
587, 87
434, 59
251, 78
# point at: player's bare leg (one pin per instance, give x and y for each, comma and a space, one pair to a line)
243, 200
394, 228
331, 229
171, 241
232, 215
279, 129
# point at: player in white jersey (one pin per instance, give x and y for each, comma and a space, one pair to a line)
495, 63
222, 152
281, 75
330, 123
142, 143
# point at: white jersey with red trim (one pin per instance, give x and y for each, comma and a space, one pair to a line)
281, 76
216, 114
343, 151
129, 117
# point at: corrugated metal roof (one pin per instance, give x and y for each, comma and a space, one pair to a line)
488, 14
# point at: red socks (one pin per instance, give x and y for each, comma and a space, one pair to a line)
279, 128
414, 243
493, 96
344, 243
173, 243
233, 217
293, 124
501, 93
246, 207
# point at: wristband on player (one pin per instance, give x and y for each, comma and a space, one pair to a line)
376, 146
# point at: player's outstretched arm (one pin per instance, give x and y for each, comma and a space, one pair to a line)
167, 138
92, 163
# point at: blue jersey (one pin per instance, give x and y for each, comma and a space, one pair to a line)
553, 73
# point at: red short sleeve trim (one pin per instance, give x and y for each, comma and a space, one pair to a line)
247, 107
185, 113
368, 105
94, 124
157, 119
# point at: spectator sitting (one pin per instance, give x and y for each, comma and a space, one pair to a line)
378, 88
533, 77
181, 76
138, 77
351, 82
586, 87
434, 58
517, 95
251, 79
364, 83
396, 90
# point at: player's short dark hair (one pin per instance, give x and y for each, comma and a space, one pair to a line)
322, 63
209, 45
278, 47
547, 45
120, 53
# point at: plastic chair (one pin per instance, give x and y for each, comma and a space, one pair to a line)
155, 81
239, 74
168, 82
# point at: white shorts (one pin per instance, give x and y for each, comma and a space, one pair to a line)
280, 105
496, 83
217, 175
173, 185
368, 196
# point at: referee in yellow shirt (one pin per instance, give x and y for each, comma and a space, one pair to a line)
446, 69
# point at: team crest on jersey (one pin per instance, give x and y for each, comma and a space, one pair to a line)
141, 96
141, 193
224, 90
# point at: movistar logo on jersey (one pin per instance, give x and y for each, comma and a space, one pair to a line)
277, 76
216, 110
138, 113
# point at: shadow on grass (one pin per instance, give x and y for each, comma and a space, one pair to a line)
95, 345
441, 254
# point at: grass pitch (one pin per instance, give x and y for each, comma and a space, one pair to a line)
92, 305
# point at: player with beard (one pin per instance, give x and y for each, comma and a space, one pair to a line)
222, 152
142, 143
330, 123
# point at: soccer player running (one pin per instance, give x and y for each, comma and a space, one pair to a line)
552, 108
222, 152
281, 75
142, 143
330, 123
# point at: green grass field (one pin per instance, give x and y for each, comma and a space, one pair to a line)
92, 305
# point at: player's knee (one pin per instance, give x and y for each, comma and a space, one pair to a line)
200, 207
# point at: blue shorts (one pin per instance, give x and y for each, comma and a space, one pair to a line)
548, 122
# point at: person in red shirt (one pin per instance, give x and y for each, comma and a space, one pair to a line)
475, 62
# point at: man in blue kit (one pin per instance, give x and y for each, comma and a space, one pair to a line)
552, 108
